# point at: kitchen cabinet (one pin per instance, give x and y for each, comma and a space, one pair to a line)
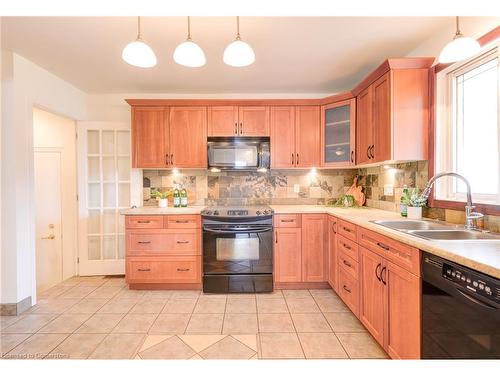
338, 134
188, 137
150, 137
295, 136
223, 121
332, 253
364, 126
242, 121
287, 255
314, 254
254, 121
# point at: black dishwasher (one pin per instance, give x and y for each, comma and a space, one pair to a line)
460, 311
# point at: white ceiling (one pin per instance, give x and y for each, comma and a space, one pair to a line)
293, 54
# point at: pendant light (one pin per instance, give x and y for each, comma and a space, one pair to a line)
460, 48
238, 53
189, 53
138, 53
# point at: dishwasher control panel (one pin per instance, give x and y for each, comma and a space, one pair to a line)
473, 282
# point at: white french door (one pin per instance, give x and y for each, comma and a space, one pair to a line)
104, 188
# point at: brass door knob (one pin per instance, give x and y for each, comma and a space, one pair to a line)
49, 237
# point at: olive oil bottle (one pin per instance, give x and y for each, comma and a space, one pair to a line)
184, 198
177, 198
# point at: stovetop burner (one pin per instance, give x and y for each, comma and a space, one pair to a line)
237, 211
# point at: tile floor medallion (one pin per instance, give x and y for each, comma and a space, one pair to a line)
99, 317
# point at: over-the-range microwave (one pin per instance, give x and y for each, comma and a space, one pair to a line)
240, 154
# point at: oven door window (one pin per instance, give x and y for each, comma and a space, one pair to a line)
242, 247
237, 156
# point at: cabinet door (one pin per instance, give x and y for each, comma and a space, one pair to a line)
338, 134
402, 316
314, 254
223, 121
382, 119
287, 255
188, 137
149, 137
371, 311
283, 137
332, 253
364, 126
254, 121
307, 136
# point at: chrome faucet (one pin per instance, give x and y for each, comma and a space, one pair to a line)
470, 215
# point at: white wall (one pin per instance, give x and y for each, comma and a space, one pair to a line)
25, 85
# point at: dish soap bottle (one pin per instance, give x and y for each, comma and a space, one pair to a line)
177, 199
184, 198
403, 202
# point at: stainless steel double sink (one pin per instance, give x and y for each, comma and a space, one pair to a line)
435, 231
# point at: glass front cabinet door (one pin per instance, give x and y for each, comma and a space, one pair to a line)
338, 134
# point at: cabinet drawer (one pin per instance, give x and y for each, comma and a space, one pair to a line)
400, 254
347, 229
349, 247
164, 269
144, 222
347, 264
287, 221
183, 221
180, 242
349, 291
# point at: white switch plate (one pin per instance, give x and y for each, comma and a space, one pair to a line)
389, 190
296, 188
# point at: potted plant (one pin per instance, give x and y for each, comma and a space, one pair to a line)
162, 197
415, 204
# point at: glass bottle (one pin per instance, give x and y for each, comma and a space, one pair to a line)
177, 199
403, 202
184, 198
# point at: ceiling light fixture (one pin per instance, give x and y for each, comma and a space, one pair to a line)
138, 53
460, 48
188, 53
238, 53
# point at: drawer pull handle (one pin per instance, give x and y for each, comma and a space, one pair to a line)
347, 264
182, 221
347, 289
183, 269
143, 242
347, 229
182, 242
346, 246
287, 220
143, 221
144, 269
385, 247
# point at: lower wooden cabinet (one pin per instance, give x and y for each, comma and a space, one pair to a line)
332, 253
287, 255
348, 290
168, 269
314, 255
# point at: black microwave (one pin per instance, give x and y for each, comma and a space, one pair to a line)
241, 154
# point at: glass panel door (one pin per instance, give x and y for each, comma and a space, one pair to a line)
338, 134
104, 173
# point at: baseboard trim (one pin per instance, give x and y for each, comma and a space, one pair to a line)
12, 309
165, 286
308, 285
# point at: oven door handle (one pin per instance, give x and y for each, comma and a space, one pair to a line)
476, 301
243, 230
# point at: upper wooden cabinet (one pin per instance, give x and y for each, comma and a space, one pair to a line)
244, 121
295, 135
393, 112
169, 137
338, 134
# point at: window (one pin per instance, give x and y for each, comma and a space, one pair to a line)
468, 130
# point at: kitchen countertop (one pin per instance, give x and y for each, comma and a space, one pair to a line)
481, 256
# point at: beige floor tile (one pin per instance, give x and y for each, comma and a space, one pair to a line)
322, 292
179, 306
241, 306
181, 294
100, 323
296, 293
54, 292
271, 305
130, 294
135, 323
7, 320
87, 306
205, 323
276, 294
196, 356
302, 305
9, 341
321, 345
172, 348
212, 296
115, 282
66, 323
159, 294
227, 348
148, 306
77, 346
361, 345
37, 346
29, 323
105, 292
95, 282
275, 323
331, 304
122, 306
78, 292
200, 342
280, 346
170, 324
152, 340
210, 306
344, 322
118, 346
55, 305
240, 323
248, 340
310, 322
231, 296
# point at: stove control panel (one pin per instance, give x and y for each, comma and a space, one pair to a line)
474, 282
